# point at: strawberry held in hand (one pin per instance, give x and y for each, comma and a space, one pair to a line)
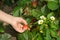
25, 27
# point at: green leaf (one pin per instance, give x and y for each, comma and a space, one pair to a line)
1, 27
25, 36
34, 32
16, 11
28, 20
52, 5
53, 33
59, 1
52, 0
23, 3
48, 37
42, 26
38, 36
50, 14
54, 25
5, 36
43, 9
58, 38
41, 0
35, 13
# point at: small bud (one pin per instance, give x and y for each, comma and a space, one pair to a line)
41, 31
43, 17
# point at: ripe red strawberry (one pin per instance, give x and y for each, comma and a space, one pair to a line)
26, 27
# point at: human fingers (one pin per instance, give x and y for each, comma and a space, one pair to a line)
23, 21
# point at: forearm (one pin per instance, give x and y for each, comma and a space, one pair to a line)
5, 17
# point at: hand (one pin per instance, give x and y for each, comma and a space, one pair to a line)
17, 23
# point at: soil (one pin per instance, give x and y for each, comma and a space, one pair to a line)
12, 32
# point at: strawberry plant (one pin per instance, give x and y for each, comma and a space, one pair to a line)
41, 16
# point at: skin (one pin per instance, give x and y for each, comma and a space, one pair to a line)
14, 21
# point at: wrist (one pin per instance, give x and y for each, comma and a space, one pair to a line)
6, 17
11, 19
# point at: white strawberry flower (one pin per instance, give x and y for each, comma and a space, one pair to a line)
40, 21
43, 17
52, 18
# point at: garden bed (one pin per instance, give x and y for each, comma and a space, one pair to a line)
43, 18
